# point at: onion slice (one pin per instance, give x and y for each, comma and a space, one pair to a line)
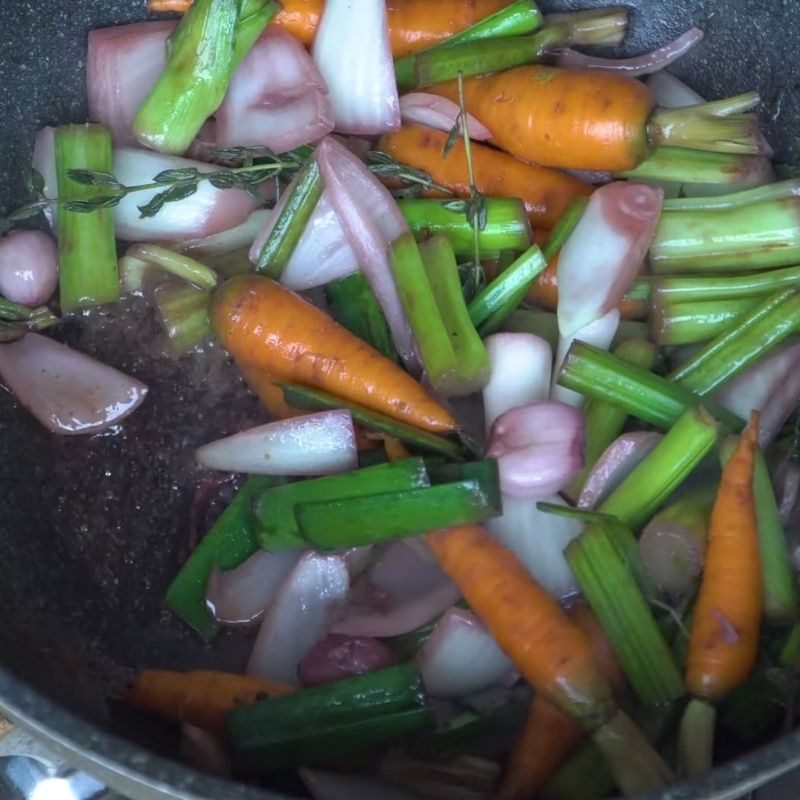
439, 113
240, 596
204, 213
462, 658
603, 255
620, 458
67, 391
538, 540
638, 65
371, 221
220, 244
671, 92
400, 591
337, 657
276, 98
299, 617
314, 444
538, 447
521, 365
28, 267
354, 55
123, 64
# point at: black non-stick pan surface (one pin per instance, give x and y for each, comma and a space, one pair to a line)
92, 529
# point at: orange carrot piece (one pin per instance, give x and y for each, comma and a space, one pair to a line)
413, 24
546, 192
263, 385
584, 618
561, 118
723, 644
551, 653
266, 327
201, 698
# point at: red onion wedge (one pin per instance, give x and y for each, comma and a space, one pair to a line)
398, 593
538, 540
122, 66
240, 596
276, 98
357, 559
671, 92
371, 221
314, 444
462, 658
603, 255
28, 267
204, 213
338, 656
299, 617
787, 488
673, 556
771, 386
353, 53
616, 463
521, 365
638, 65
439, 113
538, 447
44, 162
347, 786
323, 253
67, 391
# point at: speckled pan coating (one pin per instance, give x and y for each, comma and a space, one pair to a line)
91, 529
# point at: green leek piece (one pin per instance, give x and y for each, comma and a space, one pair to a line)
200, 62
17, 320
515, 19
600, 375
564, 227
754, 711
314, 400
777, 575
782, 190
472, 360
604, 420
664, 469
586, 776
759, 236
504, 293
507, 224
680, 289
415, 292
593, 26
276, 508
87, 250
254, 16
603, 575
749, 338
481, 58
303, 194
229, 543
354, 305
696, 739
679, 165
406, 645
691, 323
177, 264
184, 314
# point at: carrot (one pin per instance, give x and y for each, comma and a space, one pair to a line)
201, 698
266, 327
723, 644
560, 118
553, 654
413, 24
549, 736
546, 192
264, 387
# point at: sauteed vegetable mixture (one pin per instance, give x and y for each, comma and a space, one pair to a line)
525, 323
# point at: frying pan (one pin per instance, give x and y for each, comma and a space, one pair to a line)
93, 527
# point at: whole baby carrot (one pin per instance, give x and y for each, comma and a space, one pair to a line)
269, 328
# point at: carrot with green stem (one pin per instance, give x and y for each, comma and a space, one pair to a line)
266, 327
723, 644
552, 653
593, 120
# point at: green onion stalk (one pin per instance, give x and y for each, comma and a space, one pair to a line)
604, 421
696, 738
781, 190
600, 375
183, 311
16, 320
679, 165
595, 26
507, 225
752, 237
673, 324
586, 776
181, 266
87, 250
515, 19
747, 340
664, 469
